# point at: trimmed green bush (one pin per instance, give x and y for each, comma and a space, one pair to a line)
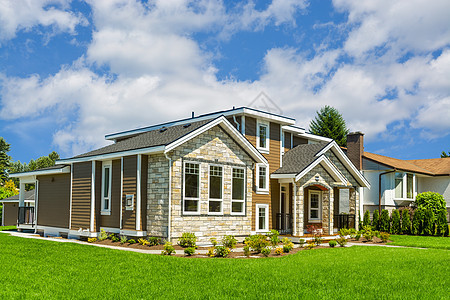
428, 221
187, 239
257, 242
417, 225
266, 251
229, 241
385, 222
430, 200
406, 222
396, 228
376, 220
384, 236
441, 222
221, 251
168, 249
332, 243
342, 241
274, 237
153, 241
189, 251
366, 221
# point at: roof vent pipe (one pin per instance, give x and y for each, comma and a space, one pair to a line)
192, 115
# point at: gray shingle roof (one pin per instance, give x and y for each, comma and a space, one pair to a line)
158, 137
300, 157
29, 195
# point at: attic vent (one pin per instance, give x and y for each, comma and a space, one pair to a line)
186, 125
163, 129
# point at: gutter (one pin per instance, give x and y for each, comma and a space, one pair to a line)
170, 196
379, 187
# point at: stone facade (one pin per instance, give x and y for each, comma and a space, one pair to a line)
213, 147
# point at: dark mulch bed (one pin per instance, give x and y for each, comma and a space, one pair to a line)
375, 240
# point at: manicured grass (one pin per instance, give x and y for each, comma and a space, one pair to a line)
5, 228
421, 241
45, 269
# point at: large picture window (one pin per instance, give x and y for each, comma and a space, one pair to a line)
191, 187
215, 189
238, 191
106, 189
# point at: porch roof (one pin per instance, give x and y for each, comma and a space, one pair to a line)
300, 157
29, 196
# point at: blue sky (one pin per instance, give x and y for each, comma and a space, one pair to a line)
73, 71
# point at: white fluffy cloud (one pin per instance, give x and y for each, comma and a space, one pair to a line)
159, 72
18, 15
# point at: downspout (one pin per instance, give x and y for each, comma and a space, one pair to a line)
169, 217
379, 188
238, 126
36, 204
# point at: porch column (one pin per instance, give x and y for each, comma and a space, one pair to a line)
21, 194
300, 211
353, 204
294, 220
331, 212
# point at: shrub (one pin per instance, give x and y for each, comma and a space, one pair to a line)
123, 239
265, 251
247, 250
103, 235
344, 232
441, 223
189, 251
213, 241
229, 241
114, 238
332, 243
92, 240
406, 222
428, 222
385, 224
221, 251
143, 242
279, 251
376, 220
384, 236
257, 242
357, 236
310, 246
301, 242
342, 241
366, 220
368, 233
211, 252
187, 239
274, 237
352, 232
288, 245
318, 240
396, 228
131, 241
153, 241
431, 200
168, 249
417, 226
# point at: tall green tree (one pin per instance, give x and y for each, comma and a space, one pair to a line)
5, 159
443, 154
330, 123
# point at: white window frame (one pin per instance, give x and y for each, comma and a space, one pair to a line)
319, 219
264, 150
222, 190
405, 186
245, 193
260, 190
266, 225
184, 186
104, 211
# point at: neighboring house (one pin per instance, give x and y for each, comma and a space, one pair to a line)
10, 212
238, 172
395, 182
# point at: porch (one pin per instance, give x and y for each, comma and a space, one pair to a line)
26, 217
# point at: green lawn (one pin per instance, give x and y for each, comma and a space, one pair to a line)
5, 228
45, 269
421, 241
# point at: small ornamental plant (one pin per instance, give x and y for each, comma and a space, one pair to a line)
318, 240
357, 236
131, 241
114, 238
384, 236
301, 242
309, 246
279, 251
257, 242
143, 242
211, 252
265, 251
123, 239
92, 240
221, 251
332, 243
274, 237
247, 250
287, 245
153, 241
342, 241
103, 235
187, 239
189, 251
168, 249
213, 241
229, 241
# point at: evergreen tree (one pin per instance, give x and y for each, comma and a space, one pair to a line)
366, 221
428, 222
417, 225
395, 229
441, 223
443, 155
385, 224
5, 160
330, 123
376, 220
406, 222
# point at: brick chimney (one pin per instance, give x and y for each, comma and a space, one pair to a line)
355, 148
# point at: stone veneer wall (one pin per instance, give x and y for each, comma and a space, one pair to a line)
211, 147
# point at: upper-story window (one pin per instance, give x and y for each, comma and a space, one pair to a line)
263, 137
106, 188
404, 185
191, 188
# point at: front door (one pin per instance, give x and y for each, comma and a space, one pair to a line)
262, 217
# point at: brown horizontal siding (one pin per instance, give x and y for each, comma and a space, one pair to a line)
10, 214
98, 194
113, 220
54, 200
129, 188
144, 179
299, 141
81, 195
287, 141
